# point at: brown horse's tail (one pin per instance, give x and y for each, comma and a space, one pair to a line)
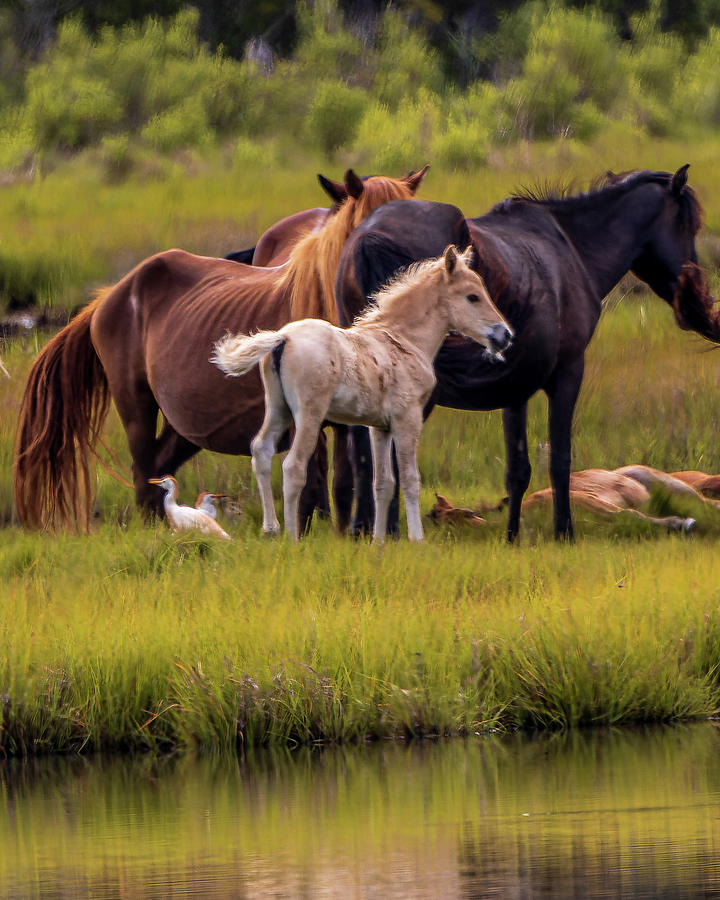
64, 406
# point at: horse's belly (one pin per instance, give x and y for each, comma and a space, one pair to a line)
213, 411
352, 406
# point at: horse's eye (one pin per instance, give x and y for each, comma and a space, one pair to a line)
473, 298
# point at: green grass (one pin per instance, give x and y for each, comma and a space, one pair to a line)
134, 639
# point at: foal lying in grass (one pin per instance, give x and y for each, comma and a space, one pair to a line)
379, 373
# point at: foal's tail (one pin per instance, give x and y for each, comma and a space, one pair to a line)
237, 354
63, 408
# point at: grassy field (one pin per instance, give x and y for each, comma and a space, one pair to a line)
131, 638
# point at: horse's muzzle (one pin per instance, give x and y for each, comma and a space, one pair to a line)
499, 338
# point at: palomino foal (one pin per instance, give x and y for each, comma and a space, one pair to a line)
379, 373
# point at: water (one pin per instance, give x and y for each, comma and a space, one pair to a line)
596, 814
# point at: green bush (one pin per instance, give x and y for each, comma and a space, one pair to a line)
406, 64
326, 49
184, 125
334, 115
16, 138
697, 90
392, 141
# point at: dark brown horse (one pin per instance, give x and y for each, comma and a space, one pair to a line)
146, 343
548, 262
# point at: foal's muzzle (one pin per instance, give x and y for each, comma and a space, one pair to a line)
499, 338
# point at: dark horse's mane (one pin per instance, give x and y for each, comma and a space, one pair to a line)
612, 185
694, 306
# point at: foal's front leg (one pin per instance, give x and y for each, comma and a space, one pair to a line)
383, 480
406, 434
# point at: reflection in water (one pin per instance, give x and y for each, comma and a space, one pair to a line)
598, 814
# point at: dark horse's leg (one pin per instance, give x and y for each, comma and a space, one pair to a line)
361, 460
314, 495
517, 464
562, 391
342, 477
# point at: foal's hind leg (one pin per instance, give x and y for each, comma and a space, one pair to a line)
307, 429
277, 420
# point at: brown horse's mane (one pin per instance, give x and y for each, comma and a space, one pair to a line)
612, 184
311, 270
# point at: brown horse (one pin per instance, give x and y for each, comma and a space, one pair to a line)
146, 343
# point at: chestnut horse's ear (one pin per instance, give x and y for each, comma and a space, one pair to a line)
679, 180
353, 184
414, 178
450, 257
333, 189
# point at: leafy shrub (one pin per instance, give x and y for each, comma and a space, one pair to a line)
697, 91
393, 141
67, 105
16, 139
326, 49
574, 58
116, 155
249, 154
184, 125
335, 114
406, 64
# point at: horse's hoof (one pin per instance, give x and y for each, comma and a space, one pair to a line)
689, 525
359, 530
270, 532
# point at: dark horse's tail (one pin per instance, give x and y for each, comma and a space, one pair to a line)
64, 406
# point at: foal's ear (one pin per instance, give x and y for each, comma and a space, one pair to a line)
450, 258
468, 256
414, 178
353, 184
333, 189
679, 180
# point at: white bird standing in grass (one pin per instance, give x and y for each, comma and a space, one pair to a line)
183, 518
207, 503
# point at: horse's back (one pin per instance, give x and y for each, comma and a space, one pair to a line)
275, 245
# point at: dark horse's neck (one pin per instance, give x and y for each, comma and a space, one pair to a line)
611, 227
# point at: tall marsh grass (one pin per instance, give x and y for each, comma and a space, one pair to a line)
134, 639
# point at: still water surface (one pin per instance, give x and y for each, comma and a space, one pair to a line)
595, 814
